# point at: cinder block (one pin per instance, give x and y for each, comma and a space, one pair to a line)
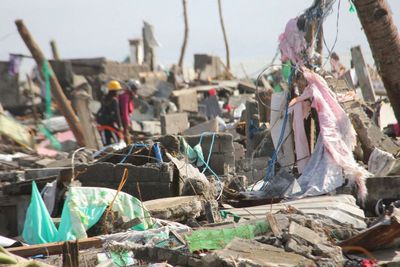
98, 172
223, 142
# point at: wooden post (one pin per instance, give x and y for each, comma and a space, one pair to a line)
364, 79
89, 130
186, 34
54, 50
221, 18
58, 94
70, 254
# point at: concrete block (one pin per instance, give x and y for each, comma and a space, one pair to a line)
222, 163
185, 100
223, 142
138, 173
152, 180
150, 190
174, 123
99, 172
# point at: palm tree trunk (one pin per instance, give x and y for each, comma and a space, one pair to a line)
384, 41
228, 62
186, 35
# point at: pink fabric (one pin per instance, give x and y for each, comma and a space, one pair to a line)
299, 110
126, 107
336, 130
292, 42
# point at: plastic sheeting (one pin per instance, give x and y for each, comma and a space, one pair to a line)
83, 208
380, 162
219, 238
38, 227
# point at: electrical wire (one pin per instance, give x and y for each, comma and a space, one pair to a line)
330, 51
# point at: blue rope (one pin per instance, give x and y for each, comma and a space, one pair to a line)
207, 166
271, 166
209, 152
130, 150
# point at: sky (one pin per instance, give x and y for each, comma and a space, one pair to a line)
101, 28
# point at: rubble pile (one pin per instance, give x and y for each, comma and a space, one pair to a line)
106, 163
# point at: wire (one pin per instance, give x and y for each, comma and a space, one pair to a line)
73, 161
4, 37
330, 51
258, 80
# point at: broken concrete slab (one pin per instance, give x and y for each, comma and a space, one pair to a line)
369, 134
340, 208
241, 251
176, 209
305, 233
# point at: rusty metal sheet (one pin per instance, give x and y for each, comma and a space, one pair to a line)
385, 234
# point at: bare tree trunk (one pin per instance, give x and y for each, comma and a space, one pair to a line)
384, 41
228, 62
186, 35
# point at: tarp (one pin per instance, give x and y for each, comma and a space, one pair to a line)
83, 208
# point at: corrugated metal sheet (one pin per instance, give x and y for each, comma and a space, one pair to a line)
340, 208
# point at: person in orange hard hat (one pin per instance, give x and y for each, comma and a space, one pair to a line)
109, 113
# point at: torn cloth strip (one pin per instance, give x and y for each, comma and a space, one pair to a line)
337, 137
292, 43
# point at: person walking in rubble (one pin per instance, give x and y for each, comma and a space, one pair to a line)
108, 115
127, 107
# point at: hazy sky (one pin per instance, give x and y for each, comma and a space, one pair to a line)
93, 28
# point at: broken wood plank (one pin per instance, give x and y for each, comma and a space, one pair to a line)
54, 248
273, 224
